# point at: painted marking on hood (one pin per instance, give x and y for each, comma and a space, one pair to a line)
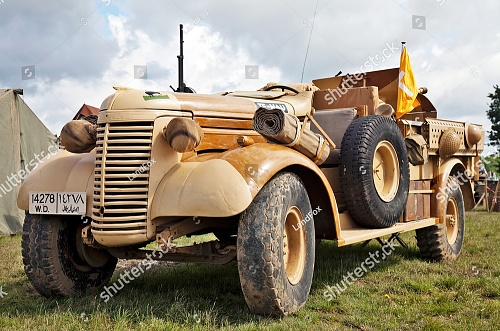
156, 96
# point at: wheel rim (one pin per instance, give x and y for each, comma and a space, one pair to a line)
76, 250
86, 257
294, 245
452, 219
386, 171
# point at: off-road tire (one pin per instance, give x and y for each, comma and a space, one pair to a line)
365, 141
434, 241
51, 260
268, 279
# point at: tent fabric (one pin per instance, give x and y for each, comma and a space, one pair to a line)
25, 140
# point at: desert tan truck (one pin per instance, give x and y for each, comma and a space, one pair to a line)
158, 165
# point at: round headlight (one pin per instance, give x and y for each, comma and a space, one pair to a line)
79, 136
183, 134
473, 134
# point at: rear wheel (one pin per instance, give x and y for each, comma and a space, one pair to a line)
276, 247
57, 262
444, 241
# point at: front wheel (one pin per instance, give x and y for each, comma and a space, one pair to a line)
276, 247
57, 262
444, 241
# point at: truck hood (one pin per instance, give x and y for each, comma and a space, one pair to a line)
238, 104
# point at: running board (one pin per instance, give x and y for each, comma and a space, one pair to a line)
355, 235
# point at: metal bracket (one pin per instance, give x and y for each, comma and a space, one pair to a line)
165, 244
394, 236
88, 238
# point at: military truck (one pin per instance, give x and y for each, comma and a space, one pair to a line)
266, 203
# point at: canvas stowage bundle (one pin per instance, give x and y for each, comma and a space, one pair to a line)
285, 129
417, 149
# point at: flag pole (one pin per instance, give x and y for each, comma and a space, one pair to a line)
403, 43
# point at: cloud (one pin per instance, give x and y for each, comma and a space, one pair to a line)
209, 71
58, 37
81, 49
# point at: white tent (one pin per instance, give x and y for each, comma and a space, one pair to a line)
24, 141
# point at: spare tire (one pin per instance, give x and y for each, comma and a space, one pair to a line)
374, 171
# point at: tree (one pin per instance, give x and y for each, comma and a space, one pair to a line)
492, 163
494, 117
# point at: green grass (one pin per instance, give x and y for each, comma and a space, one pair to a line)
403, 292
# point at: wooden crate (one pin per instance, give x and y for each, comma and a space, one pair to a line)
419, 201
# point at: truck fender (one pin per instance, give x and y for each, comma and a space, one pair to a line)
451, 167
259, 162
212, 188
224, 184
63, 172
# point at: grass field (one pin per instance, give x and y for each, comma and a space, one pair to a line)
403, 292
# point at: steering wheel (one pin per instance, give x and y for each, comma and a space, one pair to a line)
282, 87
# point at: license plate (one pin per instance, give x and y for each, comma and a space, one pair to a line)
58, 203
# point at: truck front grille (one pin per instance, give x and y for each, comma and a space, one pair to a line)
120, 201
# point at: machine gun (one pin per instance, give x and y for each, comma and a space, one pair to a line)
182, 88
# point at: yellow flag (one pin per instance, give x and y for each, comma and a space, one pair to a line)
407, 87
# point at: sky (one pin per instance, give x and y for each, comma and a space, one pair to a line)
65, 53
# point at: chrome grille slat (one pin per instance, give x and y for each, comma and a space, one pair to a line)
120, 169
125, 182
133, 134
128, 141
126, 225
125, 196
110, 212
121, 190
125, 162
121, 233
117, 224
120, 203
118, 127
125, 148
120, 183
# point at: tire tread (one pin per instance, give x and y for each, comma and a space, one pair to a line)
47, 268
261, 271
